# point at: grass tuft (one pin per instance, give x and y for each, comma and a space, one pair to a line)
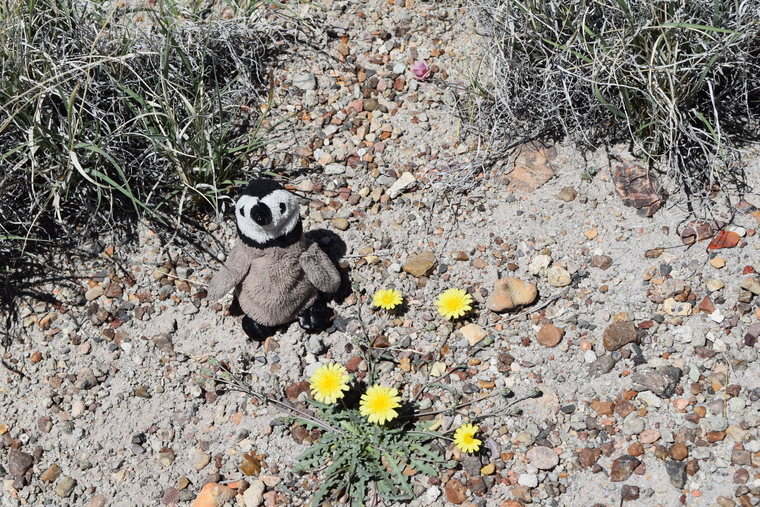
678, 79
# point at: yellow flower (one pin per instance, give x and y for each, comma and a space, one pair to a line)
378, 402
328, 383
387, 299
453, 303
464, 438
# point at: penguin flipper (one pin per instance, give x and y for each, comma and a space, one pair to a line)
231, 274
319, 269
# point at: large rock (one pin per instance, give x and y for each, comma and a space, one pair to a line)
510, 293
661, 381
623, 467
532, 167
18, 463
619, 334
421, 264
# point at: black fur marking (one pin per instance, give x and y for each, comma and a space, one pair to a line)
283, 208
260, 188
283, 241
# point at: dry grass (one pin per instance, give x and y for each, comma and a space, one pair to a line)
676, 79
110, 115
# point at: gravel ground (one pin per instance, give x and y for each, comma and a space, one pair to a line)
645, 349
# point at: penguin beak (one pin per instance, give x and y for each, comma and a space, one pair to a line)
261, 214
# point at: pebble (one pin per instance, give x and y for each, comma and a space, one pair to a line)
473, 333
421, 264
618, 334
752, 284
629, 493
676, 473
558, 276
623, 467
567, 194
539, 264
715, 284
254, 495
510, 293
673, 307
94, 293
19, 462
717, 262
200, 459
649, 436
305, 81
214, 495
633, 425
602, 262
543, 458
340, 223
51, 474
550, 335
456, 492
65, 487
603, 364
402, 184
77, 408
529, 480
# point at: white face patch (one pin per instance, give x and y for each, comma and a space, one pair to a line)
283, 207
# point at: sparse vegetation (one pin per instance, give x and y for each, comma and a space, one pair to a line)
109, 113
676, 78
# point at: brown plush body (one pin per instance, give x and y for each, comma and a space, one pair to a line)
274, 284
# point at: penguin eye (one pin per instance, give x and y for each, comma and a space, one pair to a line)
282, 207
242, 212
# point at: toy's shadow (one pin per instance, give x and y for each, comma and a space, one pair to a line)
335, 248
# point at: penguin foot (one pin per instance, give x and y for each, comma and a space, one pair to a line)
255, 331
315, 318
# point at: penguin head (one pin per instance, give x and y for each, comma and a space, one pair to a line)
265, 212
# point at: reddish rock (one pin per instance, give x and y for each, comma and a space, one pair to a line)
724, 239
213, 495
603, 407
678, 451
456, 492
588, 456
619, 334
715, 436
550, 335
532, 167
623, 467
706, 305
741, 476
294, 390
692, 467
352, 365
629, 493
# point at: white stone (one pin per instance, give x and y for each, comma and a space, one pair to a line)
529, 480
403, 183
539, 264
254, 495
558, 276
305, 81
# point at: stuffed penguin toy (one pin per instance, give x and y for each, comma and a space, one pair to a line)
278, 275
